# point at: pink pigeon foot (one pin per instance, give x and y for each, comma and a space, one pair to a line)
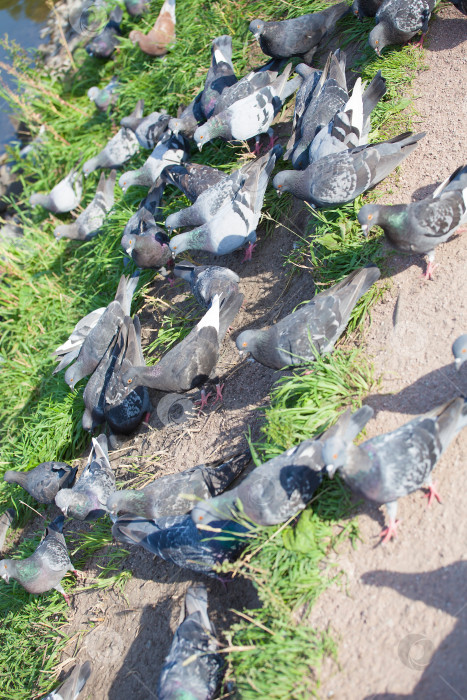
203, 401
432, 494
67, 598
257, 148
171, 281
147, 417
387, 533
271, 142
219, 396
430, 268
249, 252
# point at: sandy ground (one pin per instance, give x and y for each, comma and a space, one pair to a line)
415, 586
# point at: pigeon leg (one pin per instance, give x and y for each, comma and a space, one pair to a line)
59, 588
249, 252
390, 531
80, 575
430, 268
432, 494
219, 396
257, 148
272, 139
203, 401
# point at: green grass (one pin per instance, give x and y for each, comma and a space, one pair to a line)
46, 287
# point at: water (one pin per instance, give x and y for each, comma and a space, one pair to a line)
22, 20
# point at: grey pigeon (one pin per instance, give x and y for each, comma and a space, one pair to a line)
421, 226
189, 119
171, 149
89, 222
341, 177
250, 116
176, 494
115, 153
191, 178
94, 392
144, 219
44, 481
6, 518
310, 80
250, 83
74, 684
392, 465
192, 667
104, 44
44, 569
313, 328
280, 488
104, 97
234, 223
459, 350
63, 197
69, 350
208, 280
88, 498
148, 130
135, 8
366, 8
101, 335
221, 74
299, 36
397, 21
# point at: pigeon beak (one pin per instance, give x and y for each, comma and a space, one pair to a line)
242, 354
278, 193
200, 147
458, 363
331, 470
6, 577
365, 230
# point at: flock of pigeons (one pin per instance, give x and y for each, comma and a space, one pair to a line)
190, 518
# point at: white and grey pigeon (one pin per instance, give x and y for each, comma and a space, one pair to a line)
148, 130
87, 500
106, 96
64, 197
234, 224
44, 481
390, 466
397, 21
250, 83
459, 350
341, 177
311, 330
69, 350
6, 519
420, 226
192, 668
115, 153
46, 567
89, 222
74, 684
171, 149
207, 280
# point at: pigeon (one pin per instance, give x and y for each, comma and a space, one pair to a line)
341, 177
105, 97
459, 350
311, 330
125, 406
101, 335
310, 80
69, 350
234, 224
193, 360
250, 116
420, 226
350, 126
88, 498
366, 8
94, 392
191, 178
176, 494
135, 8
89, 222
150, 250
280, 488
104, 44
172, 148
192, 668
392, 465
6, 518
63, 197
254, 81
148, 130
160, 38
74, 684
397, 21
299, 36
44, 481
115, 153
144, 219
208, 280
189, 119
44, 569
221, 74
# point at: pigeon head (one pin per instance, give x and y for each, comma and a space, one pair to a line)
202, 136
377, 38
73, 504
334, 455
135, 36
131, 377
36, 199
128, 501
356, 10
459, 350
66, 231
73, 375
246, 342
128, 179
256, 27
128, 243
179, 243
6, 570
90, 166
368, 217
216, 126
93, 92
282, 181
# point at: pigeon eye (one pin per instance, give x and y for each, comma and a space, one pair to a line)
279, 187
129, 381
244, 344
370, 216
376, 42
200, 517
464, 351
335, 456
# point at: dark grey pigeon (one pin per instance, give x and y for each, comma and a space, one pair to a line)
221, 74
94, 392
191, 178
148, 130
341, 177
74, 684
254, 81
149, 211
397, 21
311, 330
366, 8
105, 97
459, 350
135, 8
421, 226
280, 488
310, 80
44, 569
101, 335
208, 280
299, 36
115, 153
192, 668
176, 494
69, 350
150, 250
63, 197
104, 44
170, 150
392, 465
89, 222
189, 119
6, 518
88, 498
44, 481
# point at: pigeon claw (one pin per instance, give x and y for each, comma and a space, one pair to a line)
203, 401
67, 598
430, 268
390, 531
432, 494
249, 252
219, 396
